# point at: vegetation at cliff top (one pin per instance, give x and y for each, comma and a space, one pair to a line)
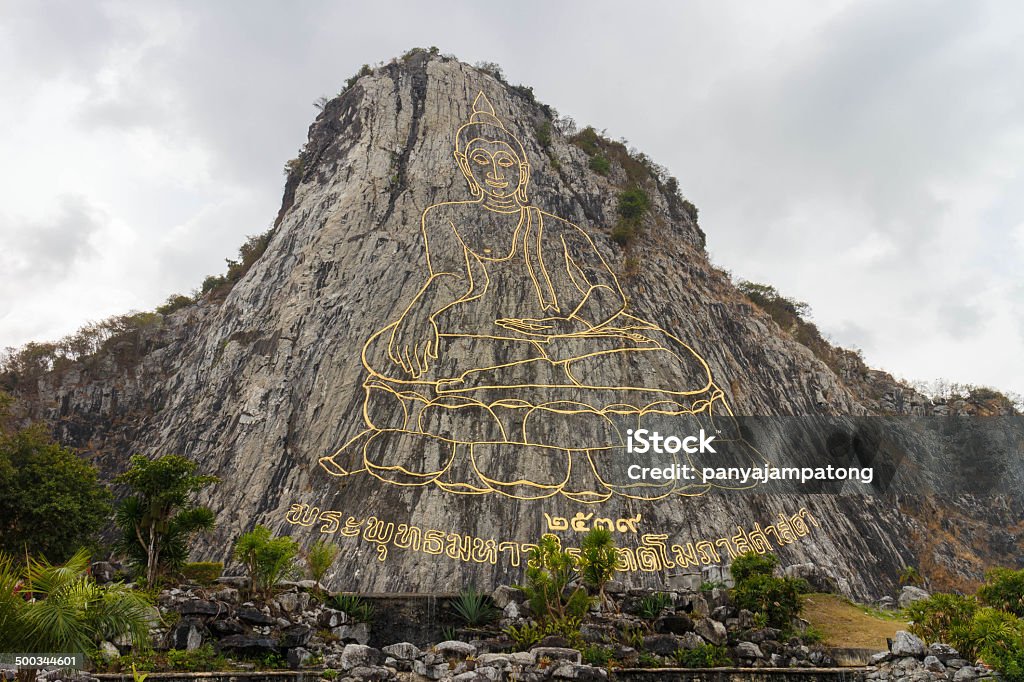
127, 337
792, 317
20, 368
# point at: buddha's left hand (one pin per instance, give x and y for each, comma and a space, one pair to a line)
545, 327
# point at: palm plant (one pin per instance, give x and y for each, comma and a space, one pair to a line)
61, 609
652, 605
319, 559
354, 606
267, 559
598, 559
549, 578
474, 607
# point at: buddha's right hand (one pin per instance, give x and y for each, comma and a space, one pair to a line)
413, 345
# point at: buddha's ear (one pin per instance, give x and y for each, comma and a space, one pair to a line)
460, 159
524, 180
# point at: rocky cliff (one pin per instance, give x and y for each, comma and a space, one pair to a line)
263, 384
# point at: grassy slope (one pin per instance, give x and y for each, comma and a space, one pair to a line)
846, 624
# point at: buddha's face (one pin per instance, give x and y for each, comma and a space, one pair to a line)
495, 168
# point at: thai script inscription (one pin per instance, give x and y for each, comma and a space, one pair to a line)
653, 552
583, 522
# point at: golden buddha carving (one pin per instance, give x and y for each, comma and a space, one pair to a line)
535, 400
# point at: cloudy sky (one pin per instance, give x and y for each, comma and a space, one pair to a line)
864, 157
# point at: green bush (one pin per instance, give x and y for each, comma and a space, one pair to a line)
528, 634
525, 636
203, 659
993, 633
474, 608
623, 233
600, 164
202, 572
218, 286
597, 655
270, 661
364, 70
587, 140
544, 134
633, 204
703, 656
267, 559
548, 577
648, 660
492, 69
812, 635
941, 617
174, 302
911, 576
776, 598
749, 564
633, 636
1004, 589
51, 500
1009, 661
995, 636
990, 635
319, 559
652, 605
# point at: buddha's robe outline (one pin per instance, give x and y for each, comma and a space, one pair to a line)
519, 355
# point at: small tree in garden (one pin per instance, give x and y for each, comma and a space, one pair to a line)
319, 559
548, 577
159, 520
598, 558
267, 559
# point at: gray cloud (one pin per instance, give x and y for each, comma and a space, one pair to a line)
37, 249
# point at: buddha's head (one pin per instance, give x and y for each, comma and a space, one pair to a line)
492, 159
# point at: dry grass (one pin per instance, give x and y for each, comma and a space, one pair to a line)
846, 624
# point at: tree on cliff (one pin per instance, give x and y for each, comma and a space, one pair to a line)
52, 501
159, 520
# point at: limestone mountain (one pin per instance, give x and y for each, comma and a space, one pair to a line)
464, 306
